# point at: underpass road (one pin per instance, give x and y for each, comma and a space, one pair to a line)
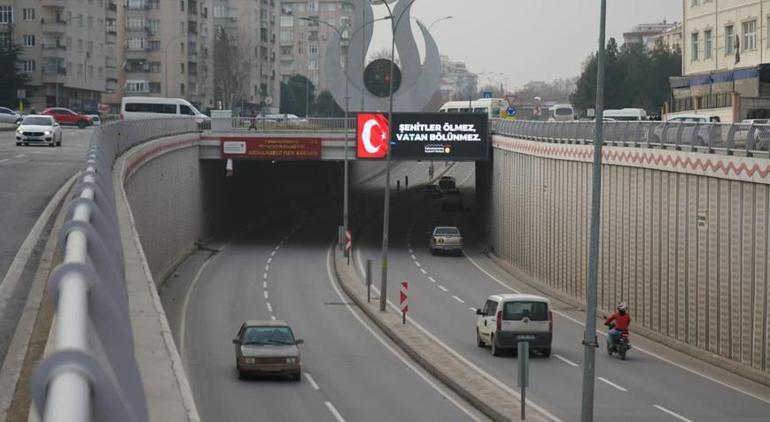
281, 270
443, 294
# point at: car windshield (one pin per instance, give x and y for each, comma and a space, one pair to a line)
446, 184
535, 311
268, 335
38, 121
447, 231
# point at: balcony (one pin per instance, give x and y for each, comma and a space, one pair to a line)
53, 3
52, 26
54, 74
54, 50
112, 7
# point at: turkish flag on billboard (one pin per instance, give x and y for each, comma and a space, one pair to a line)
373, 136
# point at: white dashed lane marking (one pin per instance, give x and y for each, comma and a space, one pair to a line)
423, 271
565, 360
334, 411
432, 280
21, 156
458, 299
612, 384
266, 295
672, 413
312, 382
269, 307
443, 288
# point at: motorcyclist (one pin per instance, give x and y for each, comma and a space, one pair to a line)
622, 320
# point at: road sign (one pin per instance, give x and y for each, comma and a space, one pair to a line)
404, 300
511, 111
229, 168
487, 94
511, 99
21, 94
268, 100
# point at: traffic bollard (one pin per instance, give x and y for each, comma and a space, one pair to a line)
523, 379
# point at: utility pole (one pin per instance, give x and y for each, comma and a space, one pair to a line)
589, 337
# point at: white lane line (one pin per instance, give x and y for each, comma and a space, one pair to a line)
272, 317
186, 303
674, 414
472, 309
432, 280
413, 257
643, 350
458, 299
312, 382
264, 284
264, 276
269, 307
272, 253
267, 267
334, 411
423, 271
270, 260
387, 346
266, 296
4, 160
417, 263
20, 156
279, 246
565, 360
443, 288
608, 382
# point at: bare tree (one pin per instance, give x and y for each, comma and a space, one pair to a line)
232, 68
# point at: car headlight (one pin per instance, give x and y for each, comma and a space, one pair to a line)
291, 360
247, 360
19, 131
48, 132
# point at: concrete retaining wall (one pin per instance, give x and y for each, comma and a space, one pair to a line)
684, 239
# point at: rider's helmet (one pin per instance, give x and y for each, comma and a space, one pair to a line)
622, 306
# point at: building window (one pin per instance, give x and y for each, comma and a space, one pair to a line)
136, 43
6, 14
181, 68
5, 39
181, 5
155, 87
694, 47
154, 45
729, 40
29, 40
135, 22
694, 3
135, 86
29, 14
90, 22
29, 65
154, 67
749, 35
181, 89
312, 6
312, 49
708, 44
287, 35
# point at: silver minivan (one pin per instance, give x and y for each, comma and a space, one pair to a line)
507, 319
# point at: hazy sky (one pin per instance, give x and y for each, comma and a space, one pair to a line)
528, 39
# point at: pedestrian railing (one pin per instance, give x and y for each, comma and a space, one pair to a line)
715, 138
91, 373
268, 124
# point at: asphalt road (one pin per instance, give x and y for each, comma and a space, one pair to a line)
29, 177
350, 372
443, 294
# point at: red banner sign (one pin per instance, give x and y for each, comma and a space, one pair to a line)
271, 148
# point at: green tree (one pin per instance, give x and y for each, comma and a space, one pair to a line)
297, 95
326, 106
635, 77
13, 79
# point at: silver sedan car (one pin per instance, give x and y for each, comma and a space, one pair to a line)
38, 129
446, 239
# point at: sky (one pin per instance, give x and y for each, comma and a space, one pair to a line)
516, 41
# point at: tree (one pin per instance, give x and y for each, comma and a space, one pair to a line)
297, 95
232, 66
557, 90
13, 79
326, 106
635, 77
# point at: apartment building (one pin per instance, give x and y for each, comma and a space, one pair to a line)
647, 34
252, 27
457, 82
725, 55
64, 49
671, 37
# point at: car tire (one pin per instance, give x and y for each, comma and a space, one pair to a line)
296, 376
493, 347
82, 124
546, 352
623, 355
18, 144
479, 341
241, 375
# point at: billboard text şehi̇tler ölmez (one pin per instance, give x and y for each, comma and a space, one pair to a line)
424, 136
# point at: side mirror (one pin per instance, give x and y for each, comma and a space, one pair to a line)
479, 312
299, 341
236, 341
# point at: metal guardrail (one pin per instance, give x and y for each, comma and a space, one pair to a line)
267, 124
715, 138
91, 373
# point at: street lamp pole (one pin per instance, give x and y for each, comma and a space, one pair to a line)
386, 213
589, 337
437, 21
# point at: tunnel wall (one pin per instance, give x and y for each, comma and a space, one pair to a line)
684, 240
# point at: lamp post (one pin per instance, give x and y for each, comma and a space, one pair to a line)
437, 21
165, 64
386, 214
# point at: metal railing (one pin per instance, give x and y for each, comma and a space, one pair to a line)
715, 138
268, 124
91, 372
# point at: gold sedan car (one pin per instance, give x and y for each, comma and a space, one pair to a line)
446, 239
267, 348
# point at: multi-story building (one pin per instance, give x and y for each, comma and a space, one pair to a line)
457, 82
64, 49
725, 54
166, 47
302, 44
251, 27
671, 37
647, 34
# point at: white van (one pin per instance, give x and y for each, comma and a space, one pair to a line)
561, 113
626, 114
506, 319
154, 107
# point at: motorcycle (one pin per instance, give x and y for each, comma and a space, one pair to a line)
621, 345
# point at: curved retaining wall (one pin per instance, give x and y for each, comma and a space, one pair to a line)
685, 240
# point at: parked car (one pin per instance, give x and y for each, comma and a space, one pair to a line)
9, 116
268, 348
451, 199
65, 116
446, 239
39, 129
506, 319
97, 121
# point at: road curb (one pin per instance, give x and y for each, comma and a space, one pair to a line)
15, 358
